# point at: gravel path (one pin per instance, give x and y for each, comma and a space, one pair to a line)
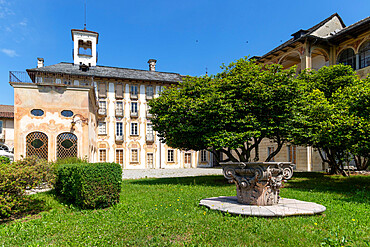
169, 173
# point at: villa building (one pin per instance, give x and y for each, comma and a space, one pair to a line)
327, 43
95, 112
101, 113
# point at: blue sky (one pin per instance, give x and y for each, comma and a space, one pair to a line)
184, 36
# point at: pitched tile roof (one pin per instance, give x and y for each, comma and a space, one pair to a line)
309, 32
7, 111
111, 72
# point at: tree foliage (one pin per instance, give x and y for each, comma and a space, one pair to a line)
230, 112
332, 115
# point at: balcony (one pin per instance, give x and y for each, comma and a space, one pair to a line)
149, 137
149, 97
119, 113
119, 138
148, 114
60, 79
102, 111
133, 96
134, 114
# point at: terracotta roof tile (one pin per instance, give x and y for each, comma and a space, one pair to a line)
7, 111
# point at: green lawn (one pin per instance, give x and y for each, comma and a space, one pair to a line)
165, 212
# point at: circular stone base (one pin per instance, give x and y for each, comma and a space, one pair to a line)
285, 207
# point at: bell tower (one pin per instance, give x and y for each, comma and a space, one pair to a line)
84, 47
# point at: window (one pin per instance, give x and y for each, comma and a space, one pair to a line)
187, 158
170, 155
119, 109
134, 129
133, 91
119, 156
203, 156
37, 112
149, 132
149, 92
149, 129
67, 113
119, 129
134, 155
102, 155
364, 54
102, 128
102, 107
347, 57
161, 89
84, 47
102, 90
37, 145
134, 107
119, 91
1, 127
270, 150
149, 158
66, 145
292, 154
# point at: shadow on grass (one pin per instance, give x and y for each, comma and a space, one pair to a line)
214, 181
30, 210
354, 188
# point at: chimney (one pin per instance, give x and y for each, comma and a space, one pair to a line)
152, 63
40, 62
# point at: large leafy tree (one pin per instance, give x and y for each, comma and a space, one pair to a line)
333, 115
230, 112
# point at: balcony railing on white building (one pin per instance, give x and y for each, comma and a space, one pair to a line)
49, 78
119, 138
102, 111
134, 114
119, 113
133, 96
149, 137
148, 114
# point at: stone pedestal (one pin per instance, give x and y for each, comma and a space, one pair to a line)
257, 183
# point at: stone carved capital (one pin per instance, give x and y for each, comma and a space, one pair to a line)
258, 183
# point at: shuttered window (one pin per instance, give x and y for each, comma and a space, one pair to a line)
102, 90
119, 90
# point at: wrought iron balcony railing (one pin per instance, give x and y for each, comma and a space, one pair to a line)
119, 113
49, 78
134, 114
149, 137
119, 138
102, 111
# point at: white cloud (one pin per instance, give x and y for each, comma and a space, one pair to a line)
23, 23
4, 9
9, 52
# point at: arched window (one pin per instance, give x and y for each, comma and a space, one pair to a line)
3, 147
84, 48
364, 53
347, 57
66, 145
37, 145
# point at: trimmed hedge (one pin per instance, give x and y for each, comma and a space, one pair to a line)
89, 185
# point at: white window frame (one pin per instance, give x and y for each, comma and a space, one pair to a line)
170, 155
119, 105
134, 131
149, 89
1, 126
119, 129
149, 129
100, 130
134, 109
203, 156
134, 90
